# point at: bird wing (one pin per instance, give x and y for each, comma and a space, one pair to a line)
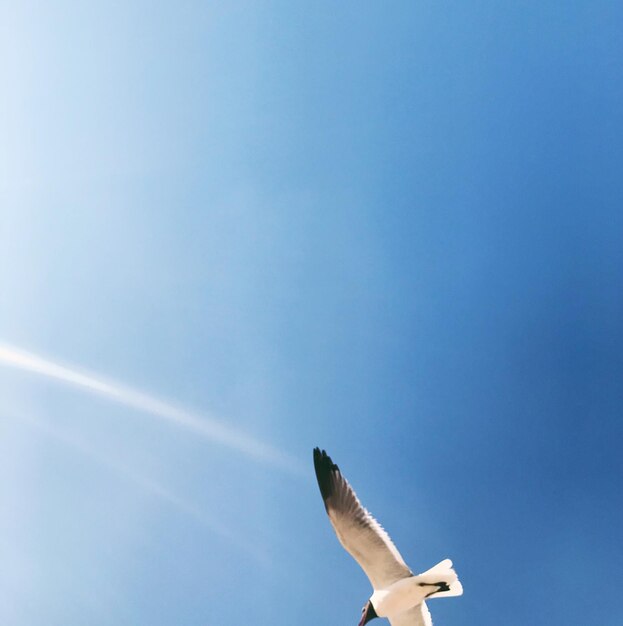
417, 616
360, 534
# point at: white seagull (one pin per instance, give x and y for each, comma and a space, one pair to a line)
398, 593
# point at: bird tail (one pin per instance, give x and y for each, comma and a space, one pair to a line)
443, 579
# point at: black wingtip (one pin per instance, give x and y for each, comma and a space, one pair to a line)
325, 468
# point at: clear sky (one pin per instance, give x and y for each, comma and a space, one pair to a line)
230, 232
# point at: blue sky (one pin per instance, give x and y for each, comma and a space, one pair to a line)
393, 231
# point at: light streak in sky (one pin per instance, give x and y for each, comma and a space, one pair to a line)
207, 427
151, 487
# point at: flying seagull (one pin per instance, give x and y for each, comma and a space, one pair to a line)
398, 594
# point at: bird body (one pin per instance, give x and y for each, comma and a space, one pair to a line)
398, 594
413, 590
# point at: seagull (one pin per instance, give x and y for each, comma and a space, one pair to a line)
398, 594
